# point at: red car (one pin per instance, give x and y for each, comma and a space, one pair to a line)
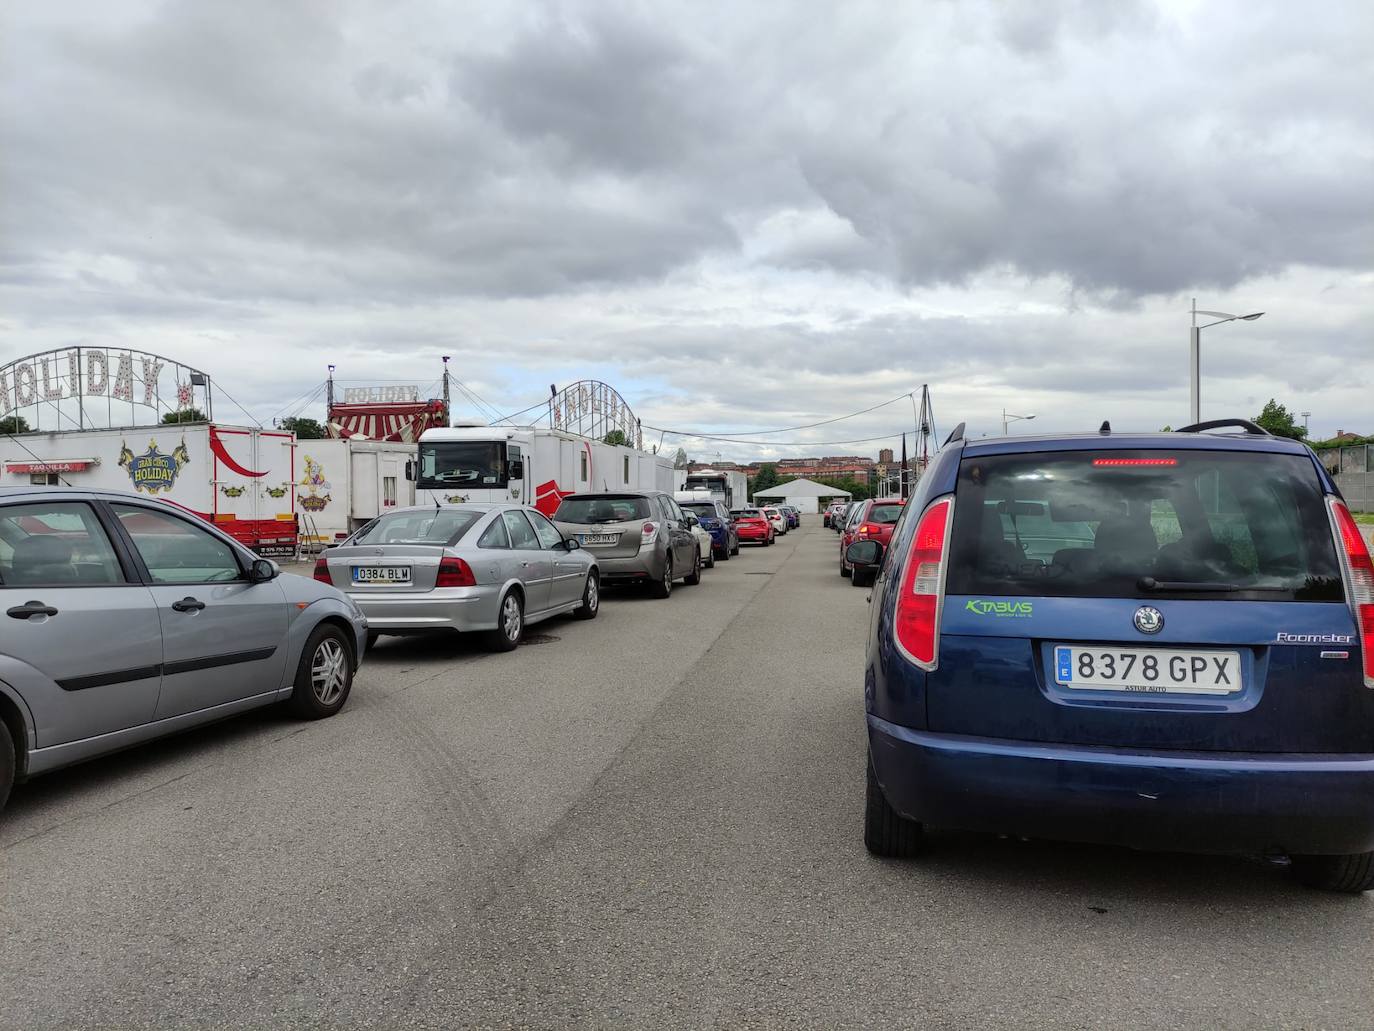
752, 525
873, 522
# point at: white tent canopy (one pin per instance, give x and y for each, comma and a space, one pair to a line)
802, 494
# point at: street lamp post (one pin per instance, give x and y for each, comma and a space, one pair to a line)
1007, 417
1305, 417
1195, 353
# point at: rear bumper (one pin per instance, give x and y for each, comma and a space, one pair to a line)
450, 608
1185, 801
647, 565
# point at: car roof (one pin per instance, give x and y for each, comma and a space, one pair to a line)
1136, 442
474, 506
55, 490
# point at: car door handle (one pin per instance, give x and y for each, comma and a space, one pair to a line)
30, 608
188, 605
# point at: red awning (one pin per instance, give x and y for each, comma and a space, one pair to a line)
57, 465
401, 421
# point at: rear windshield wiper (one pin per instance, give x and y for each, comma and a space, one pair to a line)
1149, 583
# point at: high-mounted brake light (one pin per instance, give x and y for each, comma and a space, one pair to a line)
322, 571
1359, 582
454, 572
917, 619
1135, 461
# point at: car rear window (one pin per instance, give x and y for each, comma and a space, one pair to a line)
1250, 526
885, 514
421, 526
605, 509
701, 510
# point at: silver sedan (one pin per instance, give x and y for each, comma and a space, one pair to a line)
490, 569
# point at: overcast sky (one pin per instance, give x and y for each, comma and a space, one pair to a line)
743, 215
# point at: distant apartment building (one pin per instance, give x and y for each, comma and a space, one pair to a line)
838, 467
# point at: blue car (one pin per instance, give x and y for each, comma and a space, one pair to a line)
716, 520
1162, 641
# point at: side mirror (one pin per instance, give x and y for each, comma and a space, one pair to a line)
410, 470
515, 470
692, 520
864, 553
262, 570
571, 543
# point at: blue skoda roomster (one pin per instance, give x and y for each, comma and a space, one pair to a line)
1159, 640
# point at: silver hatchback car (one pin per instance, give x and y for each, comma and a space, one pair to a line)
129, 620
489, 568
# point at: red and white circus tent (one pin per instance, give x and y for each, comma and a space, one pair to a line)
401, 421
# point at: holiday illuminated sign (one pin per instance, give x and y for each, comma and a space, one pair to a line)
77, 374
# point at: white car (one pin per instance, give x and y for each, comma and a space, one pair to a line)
778, 520
705, 545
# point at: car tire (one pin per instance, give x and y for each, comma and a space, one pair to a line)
324, 675
7, 764
725, 554
735, 549
711, 559
858, 579
845, 570
591, 598
694, 577
663, 588
887, 833
510, 624
1351, 873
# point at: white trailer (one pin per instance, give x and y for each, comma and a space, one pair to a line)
342, 484
725, 485
531, 465
240, 478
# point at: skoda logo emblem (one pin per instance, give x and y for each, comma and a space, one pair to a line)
1149, 620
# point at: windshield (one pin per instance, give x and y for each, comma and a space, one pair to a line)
419, 526
607, 508
1082, 524
469, 463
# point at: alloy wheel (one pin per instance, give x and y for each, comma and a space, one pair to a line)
511, 617
328, 671
593, 594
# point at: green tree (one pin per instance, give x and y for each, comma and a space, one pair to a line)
185, 415
304, 429
14, 424
766, 477
616, 437
1278, 420
859, 491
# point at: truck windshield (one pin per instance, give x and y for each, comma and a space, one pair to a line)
467, 463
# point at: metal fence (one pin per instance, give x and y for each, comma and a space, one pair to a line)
1353, 470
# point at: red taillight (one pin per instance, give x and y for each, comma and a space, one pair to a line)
648, 533
865, 529
923, 584
1135, 461
454, 572
1359, 582
322, 572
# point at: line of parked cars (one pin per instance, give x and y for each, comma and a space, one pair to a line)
130, 619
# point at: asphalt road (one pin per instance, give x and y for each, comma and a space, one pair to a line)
650, 820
